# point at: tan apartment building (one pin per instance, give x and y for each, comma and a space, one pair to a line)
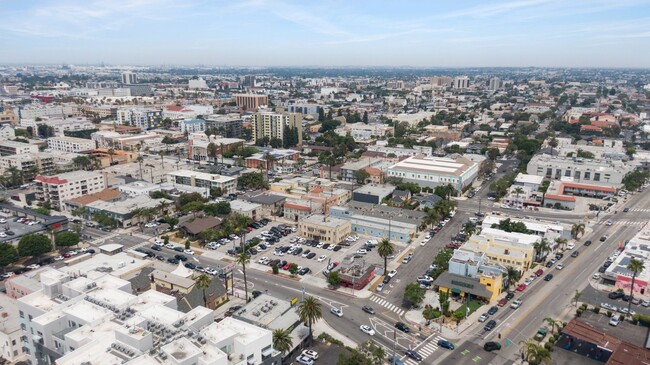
271, 124
251, 102
325, 229
70, 185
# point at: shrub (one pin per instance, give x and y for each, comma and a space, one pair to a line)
596, 310
584, 306
635, 319
644, 319
579, 312
275, 269
609, 313
548, 346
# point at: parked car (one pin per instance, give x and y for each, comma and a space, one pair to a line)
615, 320
491, 346
310, 353
510, 295
492, 311
483, 317
521, 287
516, 304
615, 295
490, 325
502, 302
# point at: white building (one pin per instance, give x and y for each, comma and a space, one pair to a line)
70, 144
364, 132
399, 150
60, 125
460, 172
138, 188
129, 78
61, 187
272, 125
11, 344
530, 181
7, 132
16, 148
197, 84
43, 161
579, 170
188, 112
140, 117
191, 126
460, 82
227, 184
46, 110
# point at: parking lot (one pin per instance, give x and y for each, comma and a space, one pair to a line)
314, 256
9, 225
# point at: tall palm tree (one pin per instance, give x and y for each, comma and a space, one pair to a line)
518, 190
203, 282
541, 247
577, 229
282, 340
534, 353
385, 249
513, 275
140, 159
243, 259
636, 266
111, 152
269, 158
553, 143
561, 242
469, 229
309, 312
553, 323
162, 158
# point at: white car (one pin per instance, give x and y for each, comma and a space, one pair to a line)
595, 276
169, 246
608, 306
615, 321
483, 317
59, 258
320, 244
337, 312
310, 353
380, 287
362, 251
33, 266
211, 271
645, 303
278, 253
570, 246
609, 222
392, 273
304, 360
2, 220
263, 260
367, 330
560, 266
8, 274
158, 242
322, 258
528, 282
516, 304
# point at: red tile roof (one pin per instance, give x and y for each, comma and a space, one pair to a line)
564, 198
51, 180
590, 128
296, 207
588, 187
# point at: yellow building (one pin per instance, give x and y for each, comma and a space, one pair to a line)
471, 273
514, 251
323, 228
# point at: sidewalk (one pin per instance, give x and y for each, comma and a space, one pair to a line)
322, 326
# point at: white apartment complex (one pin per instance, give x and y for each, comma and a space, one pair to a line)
272, 125
58, 188
70, 144
46, 110
579, 170
227, 184
60, 125
192, 125
364, 132
7, 132
43, 161
140, 117
11, 344
16, 148
95, 318
460, 172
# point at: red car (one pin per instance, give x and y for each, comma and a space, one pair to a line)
539, 272
67, 255
521, 287
502, 302
453, 245
286, 267
249, 229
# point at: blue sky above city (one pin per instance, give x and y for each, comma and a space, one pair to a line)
575, 33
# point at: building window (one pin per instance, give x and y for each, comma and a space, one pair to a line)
587, 175
21, 314
597, 176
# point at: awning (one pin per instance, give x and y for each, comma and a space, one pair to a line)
454, 290
267, 351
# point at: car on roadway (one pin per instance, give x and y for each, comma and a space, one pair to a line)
575, 253
595, 276
386, 279
615, 295
588, 243
615, 320
491, 346
625, 210
548, 277
367, 330
516, 304
33, 266
560, 266
603, 238
490, 325
609, 222
394, 360
380, 287
492, 311
337, 311
483, 317
570, 246
413, 355
368, 309
402, 327
392, 273
446, 344
502, 302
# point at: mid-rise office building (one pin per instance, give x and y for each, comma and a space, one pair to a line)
43, 162
322, 228
191, 126
274, 125
70, 144
251, 102
461, 82
495, 84
140, 118
579, 170
58, 188
458, 171
229, 125
227, 184
129, 78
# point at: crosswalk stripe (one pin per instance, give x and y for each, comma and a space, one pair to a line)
410, 362
388, 305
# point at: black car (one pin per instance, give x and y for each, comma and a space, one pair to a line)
180, 257
368, 309
549, 264
575, 253
626, 298
615, 295
91, 251
336, 248
493, 310
150, 253
386, 279
178, 249
510, 295
402, 327
190, 265
490, 325
326, 246
172, 260
297, 251
303, 271
587, 242
311, 255
559, 256
602, 269
263, 246
156, 248
413, 355
491, 346
9, 233
160, 258
603, 238
256, 293
548, 277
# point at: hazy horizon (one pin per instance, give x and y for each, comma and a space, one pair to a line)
333, 34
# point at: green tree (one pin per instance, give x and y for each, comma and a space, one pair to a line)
385, 249
203, 282
8, 254
414, 294
293, 269
513, 275
111, 153
212, 151
361, 176
334, 278
552, 323
243, 259
251, 180
282, 340
576, 297
374, 353
553, 143
67, 239
34, 245
428, 312
541, 247
577, 229
309, 312
636, 266
493, 153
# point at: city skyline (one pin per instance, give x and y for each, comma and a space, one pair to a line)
544, 33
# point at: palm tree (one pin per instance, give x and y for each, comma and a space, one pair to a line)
541, 247
469, 229
282, 340
243, 259
518, 190
577, 229
513, 275
309, 312
300, 163
203, 282
162, 158
269, 158
561, 242
534, 353
111, 152
385, 249
552, 143
140, 159
576, 297
636, 266
553, 323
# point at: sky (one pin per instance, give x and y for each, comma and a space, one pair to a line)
434, 33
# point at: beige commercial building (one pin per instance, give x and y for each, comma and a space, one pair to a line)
251, 101
323, 228
272, 125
